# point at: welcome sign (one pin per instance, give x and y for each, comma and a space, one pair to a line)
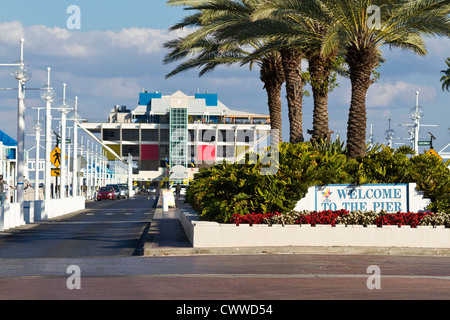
369, 197
374, 197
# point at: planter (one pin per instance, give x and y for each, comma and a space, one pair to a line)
213, 234
425, 227
340, 226
324, 226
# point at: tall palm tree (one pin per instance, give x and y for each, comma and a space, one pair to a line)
445, 79
402, 24
292, 62
321, 68
208, 51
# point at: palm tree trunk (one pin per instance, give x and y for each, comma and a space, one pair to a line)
292, 59
320, 70
274, 101
272, 75
361, 63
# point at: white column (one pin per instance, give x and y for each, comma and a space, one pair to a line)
48, 140
416, 125
95, 161
75, 160
36, 165
63, 157
20, 147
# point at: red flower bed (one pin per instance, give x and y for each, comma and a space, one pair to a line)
253, 218
329, 217
401, 219
322, 217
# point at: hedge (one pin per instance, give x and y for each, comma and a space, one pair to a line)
224, 190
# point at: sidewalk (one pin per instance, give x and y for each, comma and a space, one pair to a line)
166, 231
166, 237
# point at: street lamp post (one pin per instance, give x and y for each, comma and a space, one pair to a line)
22, 74
416, 115
390, 134
48, 95
37, 128
64, 109
76, 117
68, 164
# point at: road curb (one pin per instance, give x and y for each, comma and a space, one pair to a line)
149, 251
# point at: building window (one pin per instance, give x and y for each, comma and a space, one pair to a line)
149, 134
164, 135
149, 165
208, 135
191, 135
130, 149
226, 136
111, 134
163, 152
244, 136
225, 151
130, 135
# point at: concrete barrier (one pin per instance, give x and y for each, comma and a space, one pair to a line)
38, 211
211, 234
10, 216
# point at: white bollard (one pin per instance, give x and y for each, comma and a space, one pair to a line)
165, 202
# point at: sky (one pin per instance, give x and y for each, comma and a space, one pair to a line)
118, 50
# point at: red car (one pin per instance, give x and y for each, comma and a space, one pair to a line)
107, 193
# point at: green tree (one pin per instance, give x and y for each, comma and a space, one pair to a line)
216, 18
207, 51
359, 28
301, 32
445, 79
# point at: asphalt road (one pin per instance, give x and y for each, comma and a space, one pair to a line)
269, 278
89, 255
104, 229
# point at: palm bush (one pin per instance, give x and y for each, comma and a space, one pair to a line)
224, 190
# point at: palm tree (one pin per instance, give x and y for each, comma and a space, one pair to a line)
321, 68
402, 24
445, 79
222, 17
208, 51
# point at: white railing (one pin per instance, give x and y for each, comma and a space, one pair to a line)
37, 211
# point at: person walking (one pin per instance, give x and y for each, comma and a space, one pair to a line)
3, 190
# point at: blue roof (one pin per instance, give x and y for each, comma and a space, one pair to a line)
145, 99
211, 99
7, 140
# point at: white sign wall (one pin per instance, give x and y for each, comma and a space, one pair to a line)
370, 197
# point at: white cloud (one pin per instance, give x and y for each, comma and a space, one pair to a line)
56, 41
389, 94
144, 41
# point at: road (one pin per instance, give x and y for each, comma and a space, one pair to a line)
104, 229
90, 256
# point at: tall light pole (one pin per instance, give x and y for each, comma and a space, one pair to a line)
390, 134
416, 115
22, 74
48, 95
64, 109
38, 129
76, 118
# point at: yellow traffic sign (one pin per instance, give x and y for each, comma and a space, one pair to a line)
434, 153
56, 172
55, 157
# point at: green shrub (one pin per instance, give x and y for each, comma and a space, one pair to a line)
223, 190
